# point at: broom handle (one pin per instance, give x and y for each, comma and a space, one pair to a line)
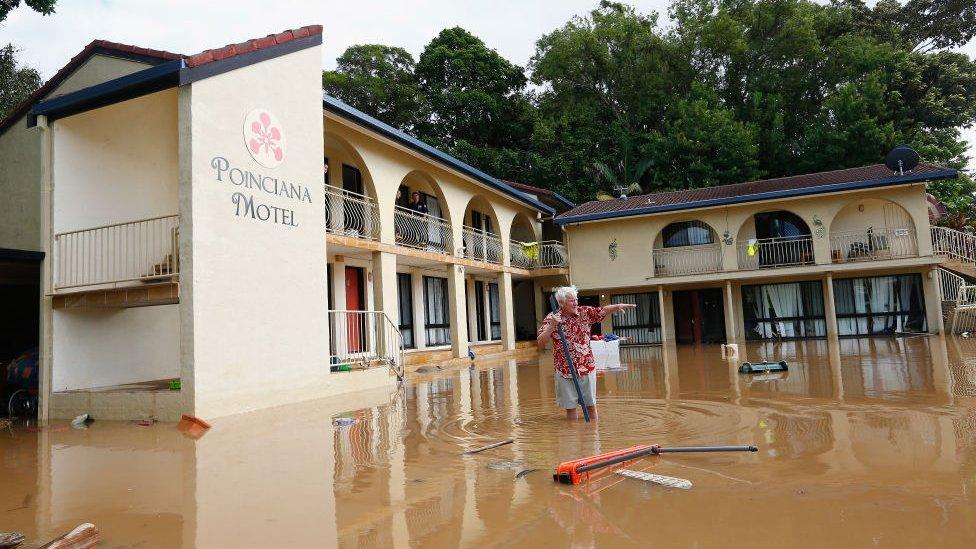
654, 450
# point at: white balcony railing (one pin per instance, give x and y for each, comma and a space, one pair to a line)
872, 245
351, 214
364, 338
146, 250
954, 244
684, 260
422, 231
481, 245
538, 255
767, 253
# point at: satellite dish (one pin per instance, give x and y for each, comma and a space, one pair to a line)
901, 159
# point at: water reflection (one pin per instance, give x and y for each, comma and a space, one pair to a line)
866, 441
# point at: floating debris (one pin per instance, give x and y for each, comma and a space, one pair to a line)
11, 539
344, 421
524, 472
490, 446
82, 421
428, 369
670, 482
84, 536
502, 465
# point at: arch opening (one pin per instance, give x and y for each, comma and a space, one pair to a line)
871, 229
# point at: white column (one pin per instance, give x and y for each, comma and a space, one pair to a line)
507, 312
732, 330
472, 308
338, 284
419, 333
933, 303
385, 293
458, 306
830, 310
667, 316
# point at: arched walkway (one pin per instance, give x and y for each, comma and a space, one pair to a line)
777, 238
350, 196
480, 231
421, 215
686, 247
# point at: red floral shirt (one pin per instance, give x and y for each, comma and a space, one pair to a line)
577, 330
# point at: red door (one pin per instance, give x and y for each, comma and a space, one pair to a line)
354, 302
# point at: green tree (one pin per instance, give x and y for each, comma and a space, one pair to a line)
45, 7
16, 82
379, 81
477, 106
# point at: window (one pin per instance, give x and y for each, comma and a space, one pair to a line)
643, 324
784, 311
437, 320
405, 307
495, 311
687, 233
880, 305
352, 180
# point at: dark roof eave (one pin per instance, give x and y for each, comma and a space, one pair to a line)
338, 107
788, 193
563, 200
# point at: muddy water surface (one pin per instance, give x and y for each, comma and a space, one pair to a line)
868, 442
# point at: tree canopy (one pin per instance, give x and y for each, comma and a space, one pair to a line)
725, 91
44, 7
16, 82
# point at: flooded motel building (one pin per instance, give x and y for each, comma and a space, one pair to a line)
209, 234
833, 254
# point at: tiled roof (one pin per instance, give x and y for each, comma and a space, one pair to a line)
195, 60
539, 191
96, 46
830, 181
230, 50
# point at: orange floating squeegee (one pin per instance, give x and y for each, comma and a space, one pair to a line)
568, 472
578, 470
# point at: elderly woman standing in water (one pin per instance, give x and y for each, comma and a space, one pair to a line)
576, 321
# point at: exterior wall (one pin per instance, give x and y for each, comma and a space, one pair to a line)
20, 186
116, 164
588, 243
99, 68
102, 347
253, 304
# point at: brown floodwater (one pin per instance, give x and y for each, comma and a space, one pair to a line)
865, 442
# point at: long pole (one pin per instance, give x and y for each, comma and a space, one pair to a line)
655, 450
569, 358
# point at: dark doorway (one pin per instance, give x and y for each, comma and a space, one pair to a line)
19, 332
699, 316
479, 309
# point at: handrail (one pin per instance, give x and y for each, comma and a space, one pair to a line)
366, 336
145, 250
481, 245
872, 244
949, 283
953, 243
766, 253
547, 254
682, 260
422, 231
351, 214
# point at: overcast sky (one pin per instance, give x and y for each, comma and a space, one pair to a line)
188, 26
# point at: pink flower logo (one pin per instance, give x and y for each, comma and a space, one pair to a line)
264, 138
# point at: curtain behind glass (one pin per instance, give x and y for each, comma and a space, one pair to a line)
494, 312
437, 323
784, 311
687, 233
643, 324
405, 308
880, 305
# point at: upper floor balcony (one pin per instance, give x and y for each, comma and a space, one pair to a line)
548, 254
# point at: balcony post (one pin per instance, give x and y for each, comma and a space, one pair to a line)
385, 291
933, 304
667, 318
419, 318
830, 309
732, 330
821, 248
472, 307
506, 308
458, 308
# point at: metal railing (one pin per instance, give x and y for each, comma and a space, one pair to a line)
699, 259
872, 245
422, 231
954, 244
481, 245
351, 214
768, 253
964, 313
362, 338
538, 255
145, 250
949, 284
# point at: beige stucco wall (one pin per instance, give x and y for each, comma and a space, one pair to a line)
385, 166
592, 269
116, 164
20, 186
97, 69
253, 293
102, 347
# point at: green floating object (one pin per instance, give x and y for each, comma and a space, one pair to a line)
175, 385
340, 368
755, 367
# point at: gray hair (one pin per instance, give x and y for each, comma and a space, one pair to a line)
563, 292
